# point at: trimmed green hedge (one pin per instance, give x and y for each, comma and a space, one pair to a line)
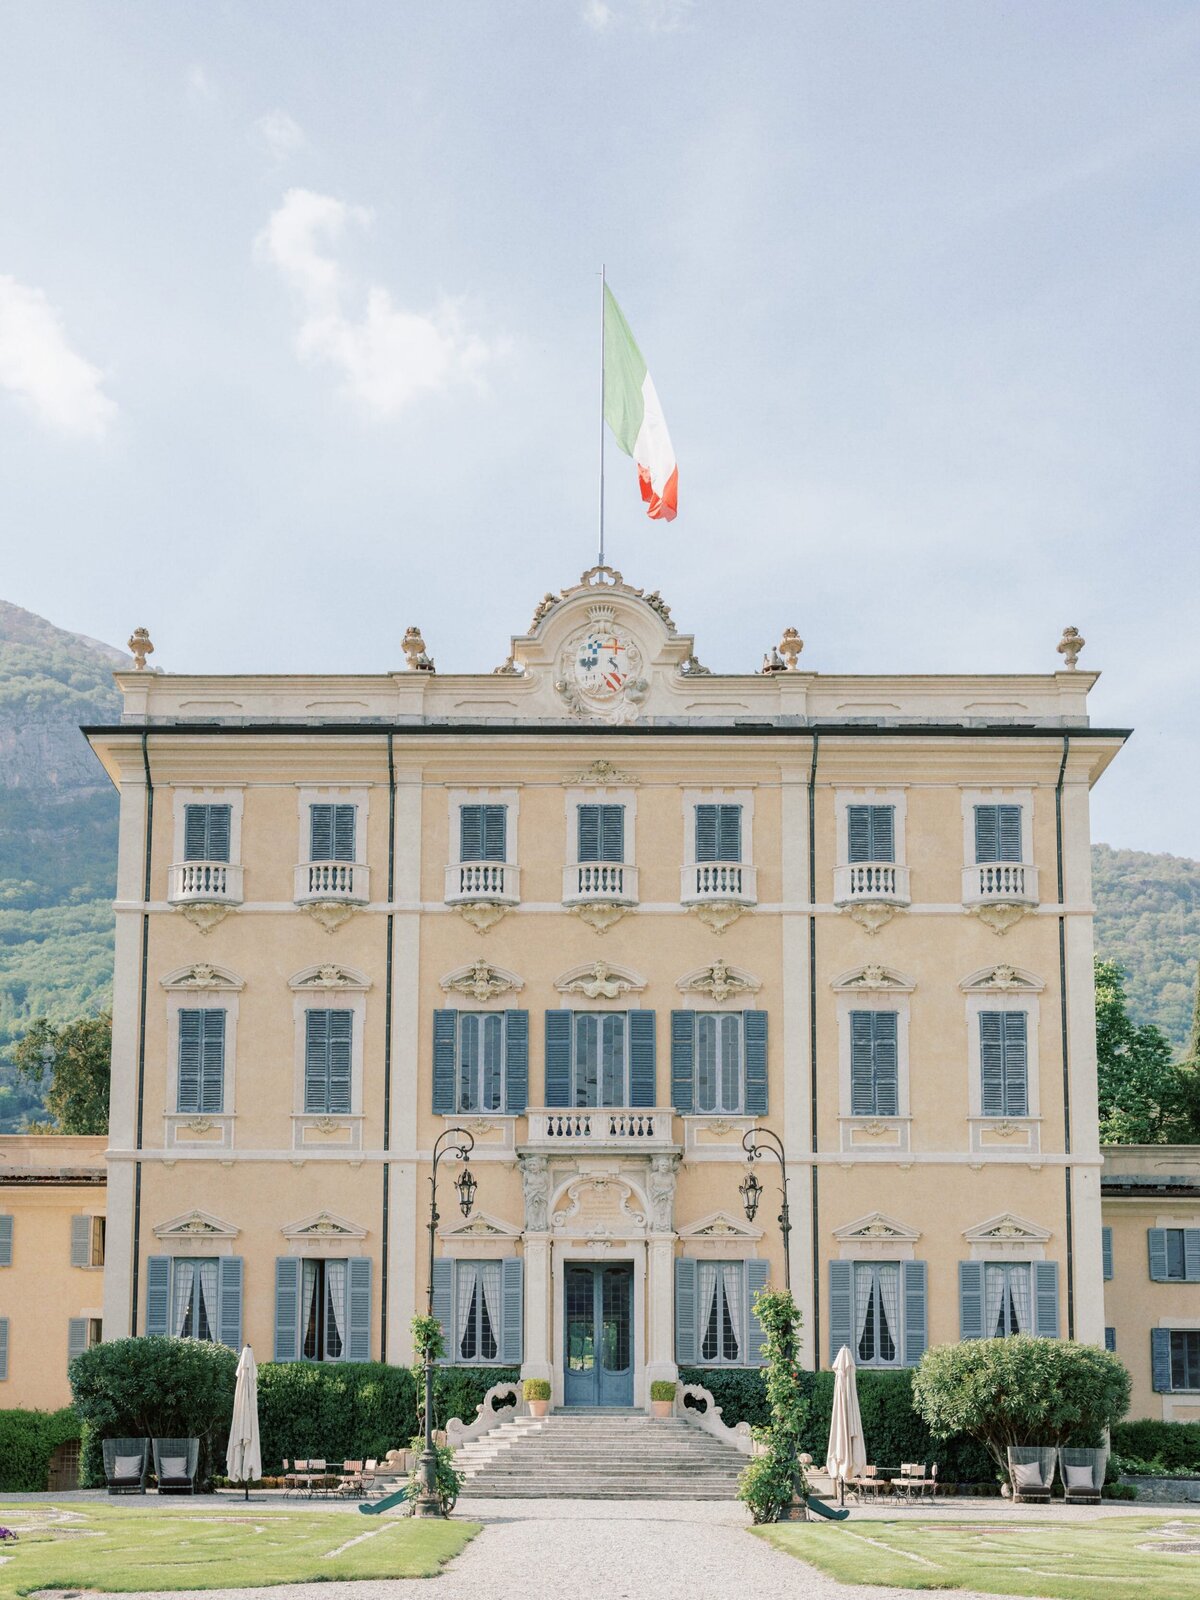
1175, 1444
27, 1441
892, 1429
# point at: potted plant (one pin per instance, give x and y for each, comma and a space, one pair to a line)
662, 1398
537, 1396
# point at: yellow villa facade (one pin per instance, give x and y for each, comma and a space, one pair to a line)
607, 912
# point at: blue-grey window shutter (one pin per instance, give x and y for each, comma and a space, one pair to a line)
218, 833
81, 1241
1009, 828
358, 1308
887, 1064
191, 1046
1157, 1239
1160, 1360
589, 833
970, 1299
558, 1059
991, 1063
1191, 1255
1045, 1299
158, 1295
287, 1308
512, 1312
862, 1064
344, 829
858, 827
77, 1333
195, 833
320, 833
212, 1062
883, 833
316, 1060
341, 1047
470, 833
6, 1241
495, 829
516, 1062
1110, 1339
683, 1060
729, 833
841, 1307
612, 833
686, 1343
916, 1314
445, 1060
642, 1086
443, 1303
1016, 1064
987, 833
1106, 1236
706, 833
229, 1301
3, 1348
754, 1039
756, 1281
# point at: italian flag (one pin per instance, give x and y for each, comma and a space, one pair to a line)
632, 411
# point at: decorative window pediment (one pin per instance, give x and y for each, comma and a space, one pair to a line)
481, 1225
203, 975
876, 1226
196, 1224
1006, 1229
1002, 979
323, 1226
480, 981
601, 775
719, 981
720, 1225
329, 976
874, 977
599, 981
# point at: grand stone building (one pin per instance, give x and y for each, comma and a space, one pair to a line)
607, 911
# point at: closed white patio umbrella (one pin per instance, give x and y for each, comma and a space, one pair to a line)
847, 1453
243, 1458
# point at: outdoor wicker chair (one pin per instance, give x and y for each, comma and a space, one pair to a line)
125, 1462
175, 1463
1031, 1472
1082, 1474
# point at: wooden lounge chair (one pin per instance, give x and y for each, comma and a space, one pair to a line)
317, 1472
351, 1480
175, 1462
1031, 1472
1082, 1474
868, 1485
125, 1462
916, 1481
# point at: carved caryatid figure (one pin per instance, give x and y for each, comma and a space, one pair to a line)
662, 1193
535, 1181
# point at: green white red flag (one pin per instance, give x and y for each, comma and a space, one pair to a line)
633, 412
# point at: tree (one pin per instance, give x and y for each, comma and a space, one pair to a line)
1020, 1390
1138, 1083
77, 1058
774, 1477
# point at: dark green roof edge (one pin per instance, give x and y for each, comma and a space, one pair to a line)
624, 730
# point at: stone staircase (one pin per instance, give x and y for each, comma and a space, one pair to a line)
609, 1455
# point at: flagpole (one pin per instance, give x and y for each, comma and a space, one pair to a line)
601, 413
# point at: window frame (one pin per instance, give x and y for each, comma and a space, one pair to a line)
330, 1012
578, 1017
875, 1364
189, 999
309, 795
319, 1265
691, 798
457, 798
897, 799
203, 1012
1191, 1360
716, 1019
980, 1000
997, 797
231, 795
479, 1019
896, 997
874, 1013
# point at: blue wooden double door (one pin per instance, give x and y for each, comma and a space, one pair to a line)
598, 1342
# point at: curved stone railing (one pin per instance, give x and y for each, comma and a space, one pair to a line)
709, 1419
487, 1416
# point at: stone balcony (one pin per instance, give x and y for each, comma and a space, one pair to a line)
604, 882
600, 1128
1000, 883
718, 882
473, 882
192, 883
331, 883
871, 882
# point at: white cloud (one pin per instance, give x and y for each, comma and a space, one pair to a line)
200, 88
597, 14
386, 355
650, 16
37, 363
281, 134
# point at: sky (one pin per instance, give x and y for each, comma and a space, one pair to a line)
299, 333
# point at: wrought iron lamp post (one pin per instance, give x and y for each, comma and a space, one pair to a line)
453, 1142
757, 1142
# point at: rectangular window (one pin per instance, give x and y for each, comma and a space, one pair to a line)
600, 1060
328, 1043
477, 1310
3, 1348
874, 1064
194, 1298
1176, 1257
323, 1310
601, 833
482, 833
871, 833
719, 1062
206, 832
1106, 1242
201, 1087
1007, 1300
331, 831
997, 833
1110, 1339
99, 1232
480, 1061
718, 833
878, 1341
1004, 1063
1185, 1359
720, 1292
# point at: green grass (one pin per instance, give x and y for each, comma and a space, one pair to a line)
118, 1548
1115, 1557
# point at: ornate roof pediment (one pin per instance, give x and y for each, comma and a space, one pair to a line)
719, 981
1007, 1228
323, 1226
329, 976
480, 1225
196, 1224
877, 1225
481, 981
202, 975
1002, 979
720, 1225
875, 977
599, 981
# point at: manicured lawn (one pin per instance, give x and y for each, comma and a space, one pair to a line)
1119, 1556
119, 1548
